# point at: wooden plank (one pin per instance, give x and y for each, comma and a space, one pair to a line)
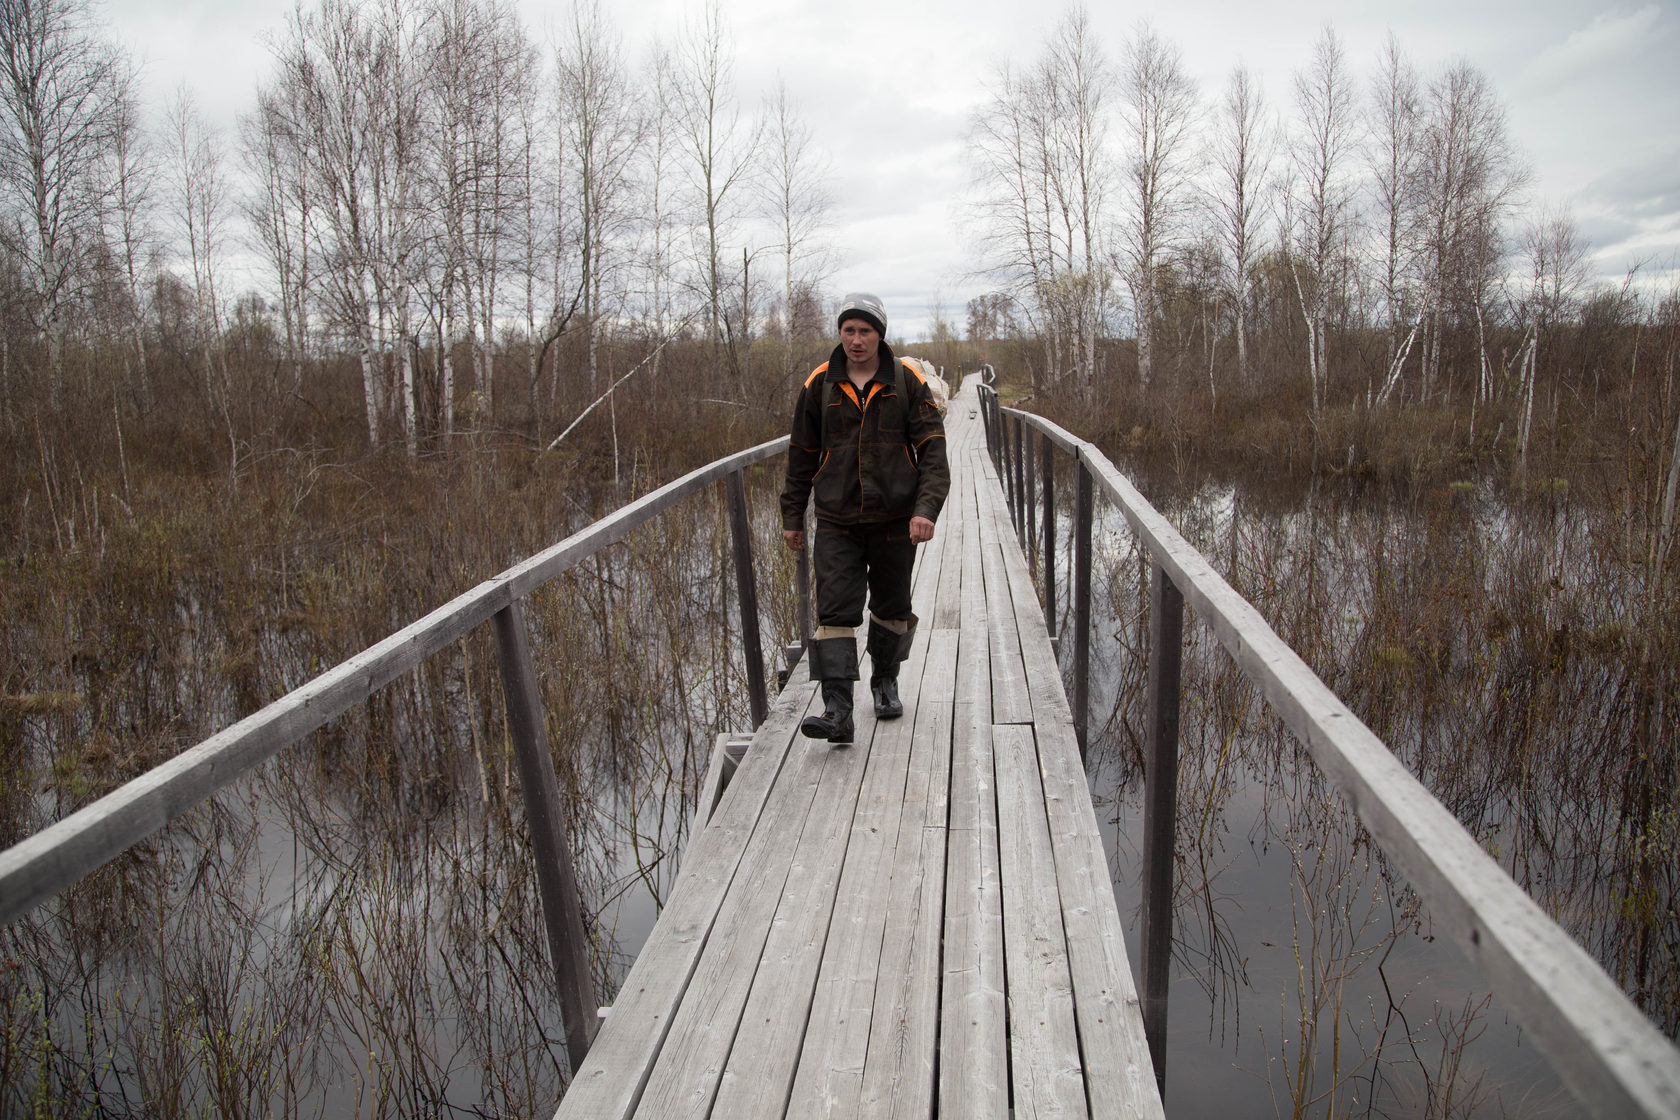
973, 1048
947, 607
685, 1075
1045, 1067
1010, 700
898, 1079
946, 604
1119, 1075
759, 1073
611, 1081
932, 571
829, 1077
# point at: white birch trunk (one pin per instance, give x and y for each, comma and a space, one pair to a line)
405, 368
1528, 408
370, 388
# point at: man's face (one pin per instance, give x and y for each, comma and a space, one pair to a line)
860, 340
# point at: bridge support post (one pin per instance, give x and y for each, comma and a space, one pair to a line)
1082, 605
1166, 647
747, 597
562, 909
1048, 472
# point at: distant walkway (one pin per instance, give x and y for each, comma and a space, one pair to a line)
921, 924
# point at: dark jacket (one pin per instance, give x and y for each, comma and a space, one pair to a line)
862, 465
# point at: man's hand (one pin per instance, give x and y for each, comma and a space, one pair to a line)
921, 530
795, 539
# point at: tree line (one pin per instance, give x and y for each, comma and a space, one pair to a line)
427, 188
1373, 236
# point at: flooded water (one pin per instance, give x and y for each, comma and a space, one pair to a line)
355, 930
1307, 980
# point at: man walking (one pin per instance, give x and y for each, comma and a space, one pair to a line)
868, 440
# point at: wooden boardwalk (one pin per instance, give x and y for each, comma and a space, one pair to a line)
921, 924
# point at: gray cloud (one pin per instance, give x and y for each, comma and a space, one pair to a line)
1641, 190
1608, 40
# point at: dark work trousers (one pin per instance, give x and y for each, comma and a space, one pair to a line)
851, 558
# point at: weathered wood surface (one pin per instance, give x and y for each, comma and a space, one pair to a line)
920, 924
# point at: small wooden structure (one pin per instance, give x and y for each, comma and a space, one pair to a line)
920, 924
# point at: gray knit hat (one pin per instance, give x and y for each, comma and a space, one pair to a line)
865, 306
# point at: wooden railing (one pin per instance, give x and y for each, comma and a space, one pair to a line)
1602, 1046
36, 869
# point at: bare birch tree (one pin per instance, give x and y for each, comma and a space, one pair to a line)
798, 202
506, 71
1557, 270
656, 167
1244, 140
1010, 148
320, 76
198, 204
540, 177
1077, 77
481, 79
275, 152
1320, 206
130, 230
719, 149
455, 81
1041, 156
62, 95
1469, 178
1394, 125
602, 127
1158, 112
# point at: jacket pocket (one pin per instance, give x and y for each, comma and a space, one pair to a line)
899, 477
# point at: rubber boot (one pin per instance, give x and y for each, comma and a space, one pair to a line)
887, 649
835, 724
884, 690
834, 662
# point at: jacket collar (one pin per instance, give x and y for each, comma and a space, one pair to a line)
887, 374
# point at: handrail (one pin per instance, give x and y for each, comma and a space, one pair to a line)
47, 862
1601, 1045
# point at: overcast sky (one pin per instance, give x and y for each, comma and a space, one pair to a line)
1592, 92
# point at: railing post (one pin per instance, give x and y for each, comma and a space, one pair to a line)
1160, 821
1049, 474
802, 585
747, 597
562, 909
1082, 605
1029, 539
1016, 476
1006, 466
993, 418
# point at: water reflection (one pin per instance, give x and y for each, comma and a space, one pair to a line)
355, 929
1487, 646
